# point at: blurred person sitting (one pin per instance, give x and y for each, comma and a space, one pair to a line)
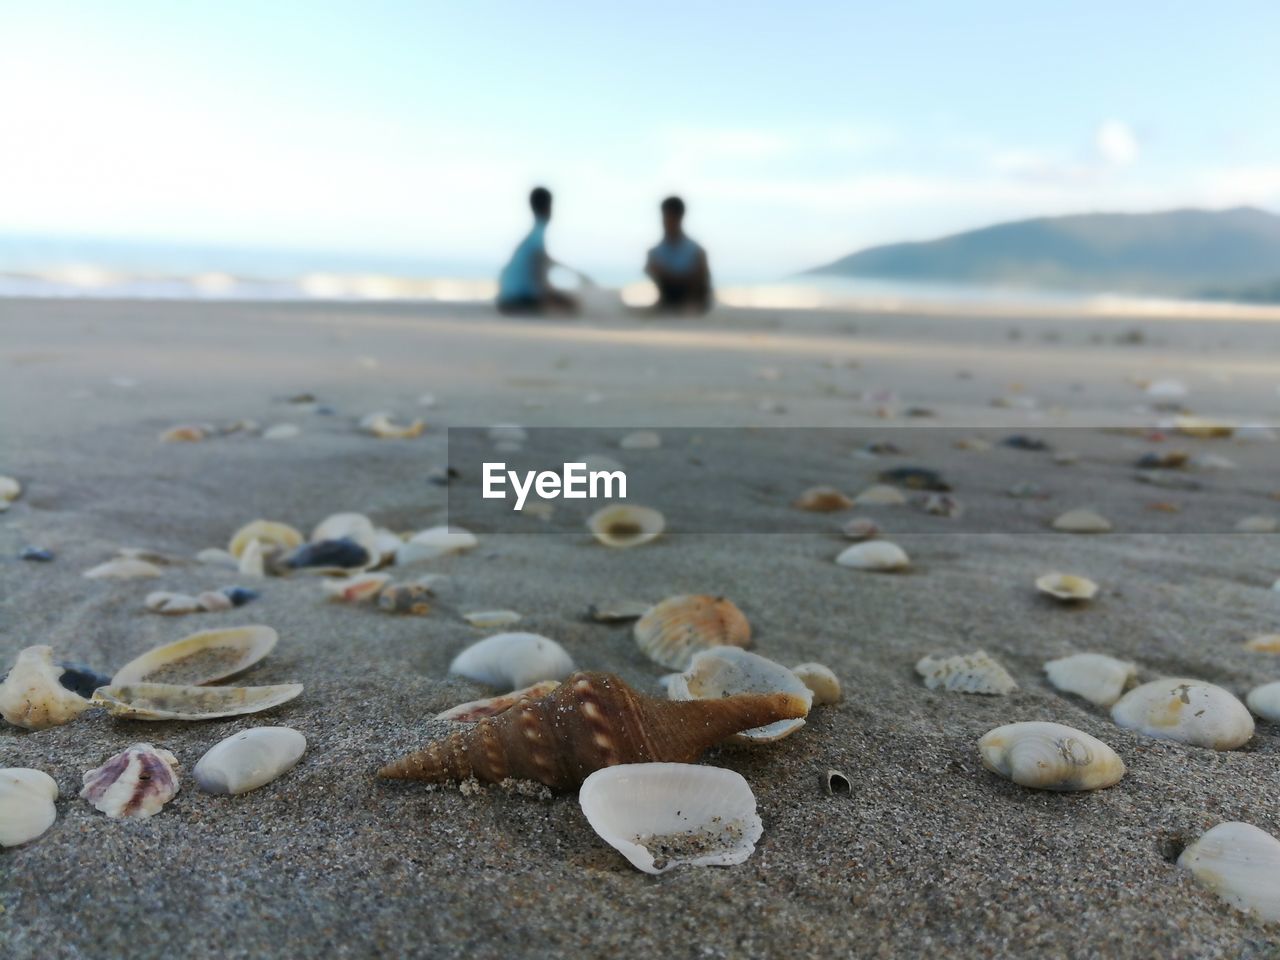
524, 286
678, 266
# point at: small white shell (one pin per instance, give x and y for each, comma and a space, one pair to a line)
172, 604
860, 528
134, 783
880, 495
664, 815
641, 440
1192, 711
1067, 586
1265, 701
123, 568
623, 525
252, 562
31, 696
878, 555
973, 672
435, 542
364, 586
215, 556
204, 657
10, 489
281, 431
26, 804
474, 711
725, 671
1082, 521
269, 532
513, 660
1096, 677
491, 619
821, 680
247, 760
1050, 756
169, 701
380, 425
1241, 864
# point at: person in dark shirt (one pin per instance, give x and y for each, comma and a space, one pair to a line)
678, 265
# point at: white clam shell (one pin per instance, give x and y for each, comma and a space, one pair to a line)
1241, 864
724, 671
623, 525
975, 672
124, 568
664, 815
26, 804
1098, 678
134, 783
1067, 586
1082, 521
435, 542
247, 760
204, 657
821, 680
1050, 756
168, 701
513, 660
1191, 711
31, 696
880, 555
1264, 701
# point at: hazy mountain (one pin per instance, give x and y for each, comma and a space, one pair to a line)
1176, 252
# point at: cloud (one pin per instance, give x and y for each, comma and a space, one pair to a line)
1116, 143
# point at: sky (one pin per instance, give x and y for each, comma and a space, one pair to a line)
796, 131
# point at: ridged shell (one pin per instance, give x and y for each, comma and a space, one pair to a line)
32, 695
1098, 678
1191, 711
134, 783
1067, 586
1050, 756
725, 671
973, 672
26, 804
821, 680
822, 500
665, 815
1241, 864
877, 555
1264, 701
435, 542
269, 532
681, 626
590, 721
166, 701
475, 710
513, 660
204, 657
624, 526
250, 759
1082, 521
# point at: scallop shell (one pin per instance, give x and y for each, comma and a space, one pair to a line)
381, 426
681, 626
1098, 678
879, 555
724, 671
269, 532
513, 660
626, 526
204, 657
641, 440
168, 701
124, 568
1050, 756
1082, 521
880, 495
435, 542
1241, 864
1067, 586
973, 672
32, 695
1192, 711
250, 759
365, 586
1264, 701
821, 680
491, 619
1264, 643
822, 500
476, 710
26, 804
134, 783
665, 815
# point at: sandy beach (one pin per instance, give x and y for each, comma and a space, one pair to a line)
930, 854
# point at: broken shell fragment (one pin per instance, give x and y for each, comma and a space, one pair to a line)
1191, 711
975, 672
942, 505
26, 804
617, 611
821, 680
822, 500
1264, 643
626, 526
250, 759
134, 783
1082, 521
435, 542
266, 532
1050, 756
1240, 863
1067, 586
880, 495
665, 815
724, 671
410, 598
513, 660
491, 619
381, 426
168, 701
877, 555
123, 568
32, 696
1098, 678
834, 782
356, 589
204, 657
476, 710
1264, 701
677, 628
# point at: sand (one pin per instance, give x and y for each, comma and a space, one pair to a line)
931, 853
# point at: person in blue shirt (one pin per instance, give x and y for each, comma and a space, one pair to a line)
678, 266
523, 285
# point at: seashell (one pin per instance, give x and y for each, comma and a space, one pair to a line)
1240, 863
476, 710
821, 680
380, 425
822, 500
616, 611
356, 589
173, 604
26, 804
914, 478
1213, 461
641, 440
10, 490
942, 505
348, 526
1098, 678
1265, 643
201, 658
186, 433
878, 555
624, 526
1050, 756
384, 546
341, 554
124, 568
267, 532
973, 672
435, 542
976, 444
216, 557
406, 598
250, 759
134, 783
834, 782
1258, 524
880, 495
1067, 586
32, 696
1192, 711
281, 431
1082, 521
213, 601
1203, 427
35, 555
1020, 441
724, 671
860, 528
169, 701
1265, 701
590, 721
679, 627
1168, 460
491, 618
513, 660
665, 815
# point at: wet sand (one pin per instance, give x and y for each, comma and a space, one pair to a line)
931, 852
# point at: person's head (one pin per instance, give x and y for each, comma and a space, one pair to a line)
540, 203
672, 216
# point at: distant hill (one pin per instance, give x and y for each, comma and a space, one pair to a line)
1183, 252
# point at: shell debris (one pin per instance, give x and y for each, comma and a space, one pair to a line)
975, 672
